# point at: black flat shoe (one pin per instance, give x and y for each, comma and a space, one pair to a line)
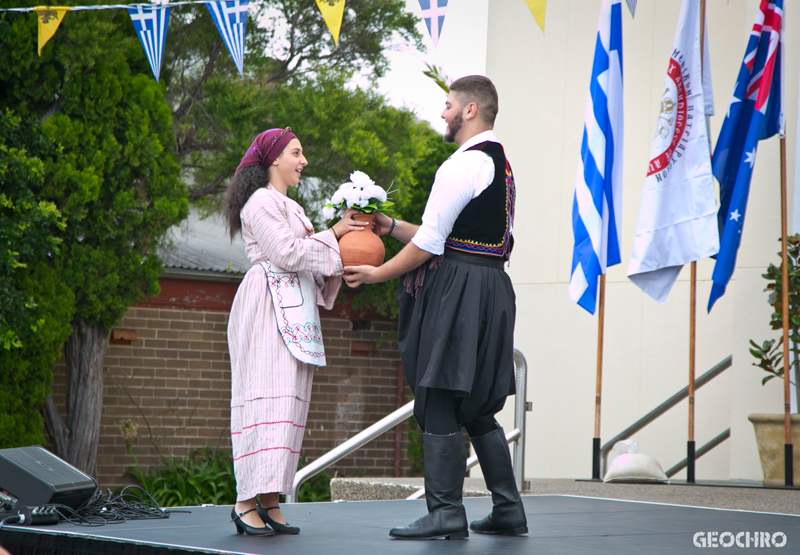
243, 528
277, 526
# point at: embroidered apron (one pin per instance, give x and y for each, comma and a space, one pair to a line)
294, 299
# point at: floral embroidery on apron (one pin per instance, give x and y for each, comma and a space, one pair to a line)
296, 312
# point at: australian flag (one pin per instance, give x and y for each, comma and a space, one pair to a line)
755, 113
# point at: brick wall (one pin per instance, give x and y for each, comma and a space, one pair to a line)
173, 384
353, 392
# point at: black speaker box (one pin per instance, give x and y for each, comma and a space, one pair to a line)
33, 476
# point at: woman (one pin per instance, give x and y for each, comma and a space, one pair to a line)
273, 332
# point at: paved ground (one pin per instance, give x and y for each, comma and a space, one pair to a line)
727, 495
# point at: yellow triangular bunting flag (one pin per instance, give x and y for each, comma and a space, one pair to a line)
537, 8
49, 19
332, 13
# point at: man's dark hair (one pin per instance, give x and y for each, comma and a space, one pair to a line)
481, 91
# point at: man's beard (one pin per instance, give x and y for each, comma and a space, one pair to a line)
453, 129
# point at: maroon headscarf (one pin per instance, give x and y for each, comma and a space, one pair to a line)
266, 148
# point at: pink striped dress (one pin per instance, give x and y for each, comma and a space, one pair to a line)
270, 388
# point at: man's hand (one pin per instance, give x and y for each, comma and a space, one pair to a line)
383, 224
406, 260
356, 275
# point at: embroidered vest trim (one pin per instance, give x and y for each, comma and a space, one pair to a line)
479, 228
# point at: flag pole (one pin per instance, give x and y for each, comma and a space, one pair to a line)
690, 453
690, 444
599, 383
788, 455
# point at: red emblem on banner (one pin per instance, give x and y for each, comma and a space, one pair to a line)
673, 117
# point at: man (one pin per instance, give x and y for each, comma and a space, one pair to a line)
456, 325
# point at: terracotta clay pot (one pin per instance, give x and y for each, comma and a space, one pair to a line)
362, 247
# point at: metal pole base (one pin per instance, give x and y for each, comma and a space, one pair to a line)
788, 457
596, 459
690, 458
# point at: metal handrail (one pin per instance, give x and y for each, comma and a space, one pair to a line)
521, 406
661, 409
404, 413
359, 440
700, 452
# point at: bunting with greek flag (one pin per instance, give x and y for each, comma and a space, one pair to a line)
433, 14
48, 19
230, 17
150, 24
754, 113
597, 208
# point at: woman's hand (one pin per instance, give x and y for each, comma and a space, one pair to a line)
348, 224
383, 224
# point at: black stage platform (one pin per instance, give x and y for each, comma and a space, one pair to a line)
558, 525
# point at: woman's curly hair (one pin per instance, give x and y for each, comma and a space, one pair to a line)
246, 182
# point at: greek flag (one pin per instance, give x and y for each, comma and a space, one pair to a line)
755, 113
597, 209
150, 23
230, 18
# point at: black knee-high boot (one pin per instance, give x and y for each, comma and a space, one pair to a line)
508, 514
445, 465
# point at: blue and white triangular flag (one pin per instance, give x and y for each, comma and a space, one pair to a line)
631, 6
433, 14
230, 17
150, 23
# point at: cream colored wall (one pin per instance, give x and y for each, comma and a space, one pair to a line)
543, 83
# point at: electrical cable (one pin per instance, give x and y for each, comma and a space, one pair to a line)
132, 503
13, 519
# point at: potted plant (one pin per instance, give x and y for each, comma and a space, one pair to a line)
769, 428
362, 194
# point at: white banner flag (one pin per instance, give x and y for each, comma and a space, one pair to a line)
678, 213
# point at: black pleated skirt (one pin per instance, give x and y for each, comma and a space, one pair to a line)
456, 329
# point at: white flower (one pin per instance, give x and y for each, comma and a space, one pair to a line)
361, 179
352, 195
358, 193
375, 191
337, 197
328, 212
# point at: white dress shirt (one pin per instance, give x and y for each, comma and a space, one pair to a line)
461, 178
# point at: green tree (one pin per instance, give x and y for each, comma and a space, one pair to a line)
116, 181
35, 307
217, 113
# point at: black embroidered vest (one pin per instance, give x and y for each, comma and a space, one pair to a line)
484, 226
